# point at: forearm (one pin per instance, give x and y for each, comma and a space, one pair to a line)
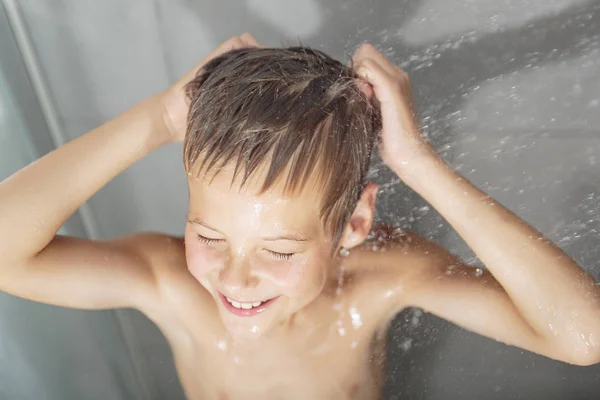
549, 289
37, 200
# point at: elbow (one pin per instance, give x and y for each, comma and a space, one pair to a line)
584, 357
583, 361
583, 352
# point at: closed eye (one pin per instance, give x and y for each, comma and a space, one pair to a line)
206, 240
281, 256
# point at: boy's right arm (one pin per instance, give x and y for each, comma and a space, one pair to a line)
38, 264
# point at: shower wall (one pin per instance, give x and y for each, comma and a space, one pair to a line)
509, 92
46, 352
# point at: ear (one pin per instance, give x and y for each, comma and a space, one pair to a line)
360, 222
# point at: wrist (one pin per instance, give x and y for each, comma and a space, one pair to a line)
147, 122
174, 111
156, 112
422, 171
411, 164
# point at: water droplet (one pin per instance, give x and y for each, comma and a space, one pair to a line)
406, 344
356, 320
416, 319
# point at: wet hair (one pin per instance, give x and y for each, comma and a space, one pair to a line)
295, 111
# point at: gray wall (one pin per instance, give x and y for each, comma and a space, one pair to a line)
46, 352
509, 91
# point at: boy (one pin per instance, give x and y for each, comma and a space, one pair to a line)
278, 292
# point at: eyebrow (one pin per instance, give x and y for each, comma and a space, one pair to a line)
198, 222
286, 236
289, 236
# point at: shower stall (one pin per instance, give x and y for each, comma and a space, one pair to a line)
508, 91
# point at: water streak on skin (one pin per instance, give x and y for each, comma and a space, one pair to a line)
340, 281
356, 320
341, 330
258, 208
589, 341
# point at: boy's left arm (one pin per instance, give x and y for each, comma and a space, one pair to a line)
533, 295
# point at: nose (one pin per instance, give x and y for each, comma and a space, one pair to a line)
237, 274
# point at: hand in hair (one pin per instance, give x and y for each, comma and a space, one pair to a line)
174, 100
401, 138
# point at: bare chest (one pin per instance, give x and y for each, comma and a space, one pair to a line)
349, 367
332, 354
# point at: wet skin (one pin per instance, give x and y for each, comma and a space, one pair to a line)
255, 305
332, 348
318, 333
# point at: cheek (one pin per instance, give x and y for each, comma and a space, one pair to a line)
200, 260
302, 276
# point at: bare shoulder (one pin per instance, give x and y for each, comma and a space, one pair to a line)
177, 291
159, 250
392, 265
391, 250
164, 257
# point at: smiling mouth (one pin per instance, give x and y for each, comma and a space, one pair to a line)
245, 309
244, 306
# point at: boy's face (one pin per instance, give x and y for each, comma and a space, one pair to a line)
262, 257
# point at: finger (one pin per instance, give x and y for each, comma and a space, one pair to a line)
384, 85
230, 44
233, 43
365, 88
250, 40
386, 90
367, 50
236, 42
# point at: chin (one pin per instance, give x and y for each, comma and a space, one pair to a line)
245, 328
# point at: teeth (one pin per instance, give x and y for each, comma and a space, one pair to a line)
244, 306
